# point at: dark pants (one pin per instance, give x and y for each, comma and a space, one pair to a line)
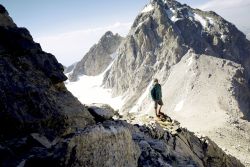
158, 102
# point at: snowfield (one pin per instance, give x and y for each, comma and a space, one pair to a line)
89, 90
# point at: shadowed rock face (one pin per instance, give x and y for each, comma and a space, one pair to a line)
33, 96
99, 56
42, 124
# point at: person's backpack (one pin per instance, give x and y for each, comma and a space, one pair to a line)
153, 93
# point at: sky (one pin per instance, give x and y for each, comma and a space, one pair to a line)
68, 29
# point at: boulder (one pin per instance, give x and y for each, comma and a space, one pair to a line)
101, 146
101, 111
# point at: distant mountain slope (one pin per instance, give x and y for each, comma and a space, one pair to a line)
99, 56
69, 68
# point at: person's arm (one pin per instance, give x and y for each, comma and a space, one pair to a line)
152, 92
160, 92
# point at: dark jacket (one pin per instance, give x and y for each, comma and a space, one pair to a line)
156, 92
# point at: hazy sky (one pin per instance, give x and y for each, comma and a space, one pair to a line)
68, 29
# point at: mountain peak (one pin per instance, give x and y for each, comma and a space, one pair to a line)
109, 35
2, 9
180, 20
99, 56
168, 3
6, 20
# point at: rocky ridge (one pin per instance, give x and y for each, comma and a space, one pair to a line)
99, 56
42, 124
32, 89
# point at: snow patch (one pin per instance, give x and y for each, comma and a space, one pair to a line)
148, 8
175, 19
172, 10
223, 37
139, 25
190, 61
172, 15
200, 19
179, 106
89, 89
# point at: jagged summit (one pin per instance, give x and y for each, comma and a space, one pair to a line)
205, 32
169, 3
206, 23
108, 34
99, 56
2, 9
5, 19
108, 37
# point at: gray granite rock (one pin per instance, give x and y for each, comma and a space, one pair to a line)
99, 56
160, 37
101, 111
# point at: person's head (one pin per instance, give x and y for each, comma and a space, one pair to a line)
155, 81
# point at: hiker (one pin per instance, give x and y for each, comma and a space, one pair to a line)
156, 96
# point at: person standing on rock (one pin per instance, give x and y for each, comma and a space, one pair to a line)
156, 95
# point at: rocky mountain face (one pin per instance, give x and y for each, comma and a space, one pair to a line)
203, 64
33, 96
42, 124
32, 89
162, 34
69, 68
99, 56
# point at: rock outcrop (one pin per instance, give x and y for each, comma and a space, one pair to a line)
33, 96
102, 111
42, 124
99, 56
